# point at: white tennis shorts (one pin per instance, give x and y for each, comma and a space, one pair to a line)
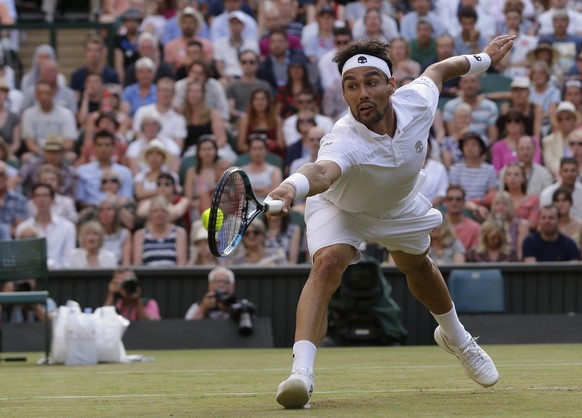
409, 232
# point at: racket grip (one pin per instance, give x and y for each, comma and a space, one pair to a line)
273, 206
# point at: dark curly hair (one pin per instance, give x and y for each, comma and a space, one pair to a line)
372, 47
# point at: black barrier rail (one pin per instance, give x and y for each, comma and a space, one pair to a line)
543, 288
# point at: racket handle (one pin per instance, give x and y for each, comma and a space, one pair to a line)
273, 206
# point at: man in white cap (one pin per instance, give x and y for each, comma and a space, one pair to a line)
227, 48
364, 186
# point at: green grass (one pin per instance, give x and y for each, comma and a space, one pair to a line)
536, 380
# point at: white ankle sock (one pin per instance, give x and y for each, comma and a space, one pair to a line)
304, 355
452, 327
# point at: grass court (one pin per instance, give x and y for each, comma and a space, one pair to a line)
421, 381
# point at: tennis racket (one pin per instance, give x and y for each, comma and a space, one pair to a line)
234, 206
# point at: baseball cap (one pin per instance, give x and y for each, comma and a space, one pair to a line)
520, 82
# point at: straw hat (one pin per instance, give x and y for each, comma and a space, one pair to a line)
543, 46
157, 146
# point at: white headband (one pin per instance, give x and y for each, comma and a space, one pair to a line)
363, 60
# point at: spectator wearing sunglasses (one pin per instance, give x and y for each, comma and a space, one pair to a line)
254, 251
238, 91
178, 204
304, 100
466, 229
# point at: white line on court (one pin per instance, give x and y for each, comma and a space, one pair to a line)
332, 392
452, 365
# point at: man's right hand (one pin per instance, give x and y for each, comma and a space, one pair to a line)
286, 193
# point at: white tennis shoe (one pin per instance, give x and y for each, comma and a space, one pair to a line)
295, 392
475, 361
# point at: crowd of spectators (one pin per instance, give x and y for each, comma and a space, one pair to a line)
115, 164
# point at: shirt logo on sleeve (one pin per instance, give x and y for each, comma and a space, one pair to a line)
418, 146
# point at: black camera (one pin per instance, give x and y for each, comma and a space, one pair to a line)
243, 312
225, 298
130, 285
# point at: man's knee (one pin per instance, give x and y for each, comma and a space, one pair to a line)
329, 265
411, 263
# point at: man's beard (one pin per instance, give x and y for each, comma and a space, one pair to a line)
376, 117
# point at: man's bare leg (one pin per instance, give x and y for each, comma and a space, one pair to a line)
328, 266
426, 283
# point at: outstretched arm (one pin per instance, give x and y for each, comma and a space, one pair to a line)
460, 65
311, 178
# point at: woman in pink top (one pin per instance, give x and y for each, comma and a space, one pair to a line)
504, 151
526, 206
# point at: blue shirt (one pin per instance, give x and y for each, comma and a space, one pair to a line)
80, 75
132, 95
89, 185
562, 249
13, 209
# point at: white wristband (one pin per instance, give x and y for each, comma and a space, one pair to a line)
301, 184
479, 63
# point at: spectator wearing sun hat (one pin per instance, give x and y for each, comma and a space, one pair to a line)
568, 43
155, 157
150, 129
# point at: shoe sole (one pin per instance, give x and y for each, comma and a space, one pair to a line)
442, 344
293, 394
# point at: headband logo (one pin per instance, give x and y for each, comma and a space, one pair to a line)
362, 60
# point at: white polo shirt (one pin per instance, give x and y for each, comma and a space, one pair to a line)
380, 175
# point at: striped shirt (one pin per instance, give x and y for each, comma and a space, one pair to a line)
475, 181
159, 252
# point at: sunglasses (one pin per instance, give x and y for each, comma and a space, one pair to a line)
105, 181
574, 143
454, 199
251, 62
306, 121
165, 183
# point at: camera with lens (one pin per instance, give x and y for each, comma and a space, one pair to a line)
130, 285
225, 298
243, 312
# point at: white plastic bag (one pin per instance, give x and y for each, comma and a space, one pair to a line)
110, 329
80, 337
88, 338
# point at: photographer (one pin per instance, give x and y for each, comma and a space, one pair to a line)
217, 302
124, 292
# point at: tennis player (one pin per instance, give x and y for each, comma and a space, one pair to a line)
364, 186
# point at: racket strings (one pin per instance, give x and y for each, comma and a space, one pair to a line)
233, 207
